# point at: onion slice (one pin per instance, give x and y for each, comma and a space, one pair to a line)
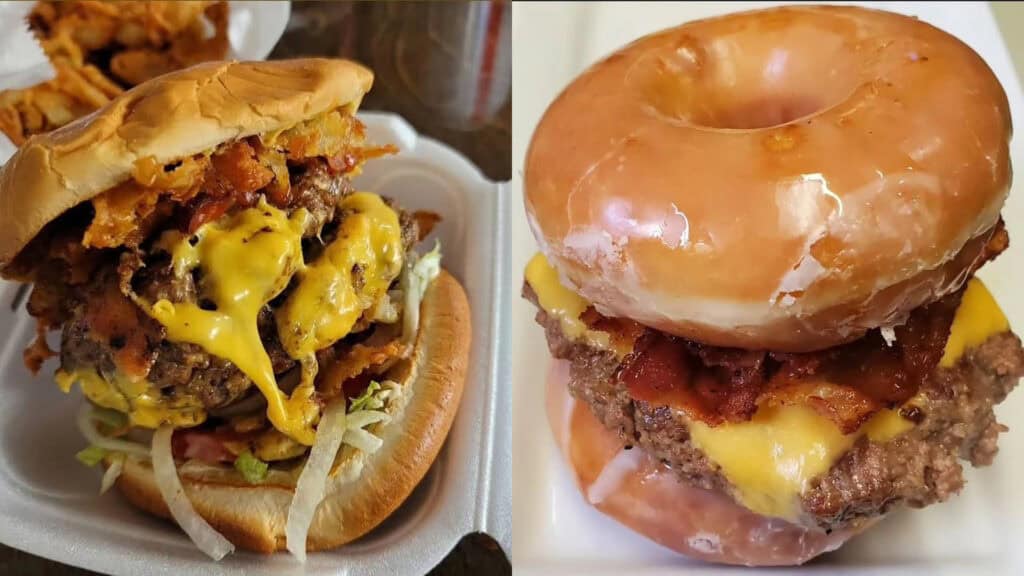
112, 473
208, 540
87, 426
363, 440
309, 490
416, 277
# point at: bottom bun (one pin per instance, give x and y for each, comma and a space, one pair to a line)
367, 488
645, 495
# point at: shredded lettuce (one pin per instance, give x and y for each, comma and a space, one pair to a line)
416, 277
252, 468
368, 400
364, 410
91, 456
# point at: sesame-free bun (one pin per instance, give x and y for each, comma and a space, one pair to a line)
167, 118
254, 516
780, 179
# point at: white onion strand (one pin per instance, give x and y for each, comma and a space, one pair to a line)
309, 490
213, 543
112, 473
87, 426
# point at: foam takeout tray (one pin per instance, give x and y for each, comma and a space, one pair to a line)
49, 503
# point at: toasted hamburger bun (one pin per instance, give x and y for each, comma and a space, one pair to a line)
168, 118
364, 489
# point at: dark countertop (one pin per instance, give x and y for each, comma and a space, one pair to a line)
422, 74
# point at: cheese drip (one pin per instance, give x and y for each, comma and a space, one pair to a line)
561, 303
977, 319
144, 404
772, 458
347, 279
246, 260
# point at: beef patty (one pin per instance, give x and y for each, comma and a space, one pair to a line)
917, 468
107, 342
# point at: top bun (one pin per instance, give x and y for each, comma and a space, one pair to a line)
782, 179
168, 118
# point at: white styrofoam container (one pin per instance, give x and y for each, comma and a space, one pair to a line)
555, 532
255, 27
49, 503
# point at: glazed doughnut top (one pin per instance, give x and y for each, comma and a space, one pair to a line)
784, 179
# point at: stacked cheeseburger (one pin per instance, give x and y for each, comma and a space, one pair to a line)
265, 357
762, 298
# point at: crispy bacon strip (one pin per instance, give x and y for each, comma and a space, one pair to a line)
846, 406
847, 384
121, 210
231, 177
115, 319
356, 361
353, 158
425, 222
38, 351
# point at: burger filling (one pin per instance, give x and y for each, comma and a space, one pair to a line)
233, 295
822, 439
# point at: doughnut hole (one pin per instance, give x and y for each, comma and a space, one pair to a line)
748, 77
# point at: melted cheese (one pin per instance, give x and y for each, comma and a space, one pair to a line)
771, 459
330, 296
560, 302
144, 404
977, 318
246, 260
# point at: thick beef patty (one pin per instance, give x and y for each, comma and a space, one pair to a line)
917, 468
104, 330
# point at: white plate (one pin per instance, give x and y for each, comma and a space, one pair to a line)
555, 532
49, 504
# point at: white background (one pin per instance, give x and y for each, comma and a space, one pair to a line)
554, 531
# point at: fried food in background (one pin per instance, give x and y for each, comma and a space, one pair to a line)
75, 92
133, 41
99, 49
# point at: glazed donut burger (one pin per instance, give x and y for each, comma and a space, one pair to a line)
759, 235
265, 357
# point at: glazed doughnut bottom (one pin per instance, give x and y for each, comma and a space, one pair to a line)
641, 493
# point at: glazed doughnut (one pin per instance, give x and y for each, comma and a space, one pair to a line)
643, 494
782, 179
